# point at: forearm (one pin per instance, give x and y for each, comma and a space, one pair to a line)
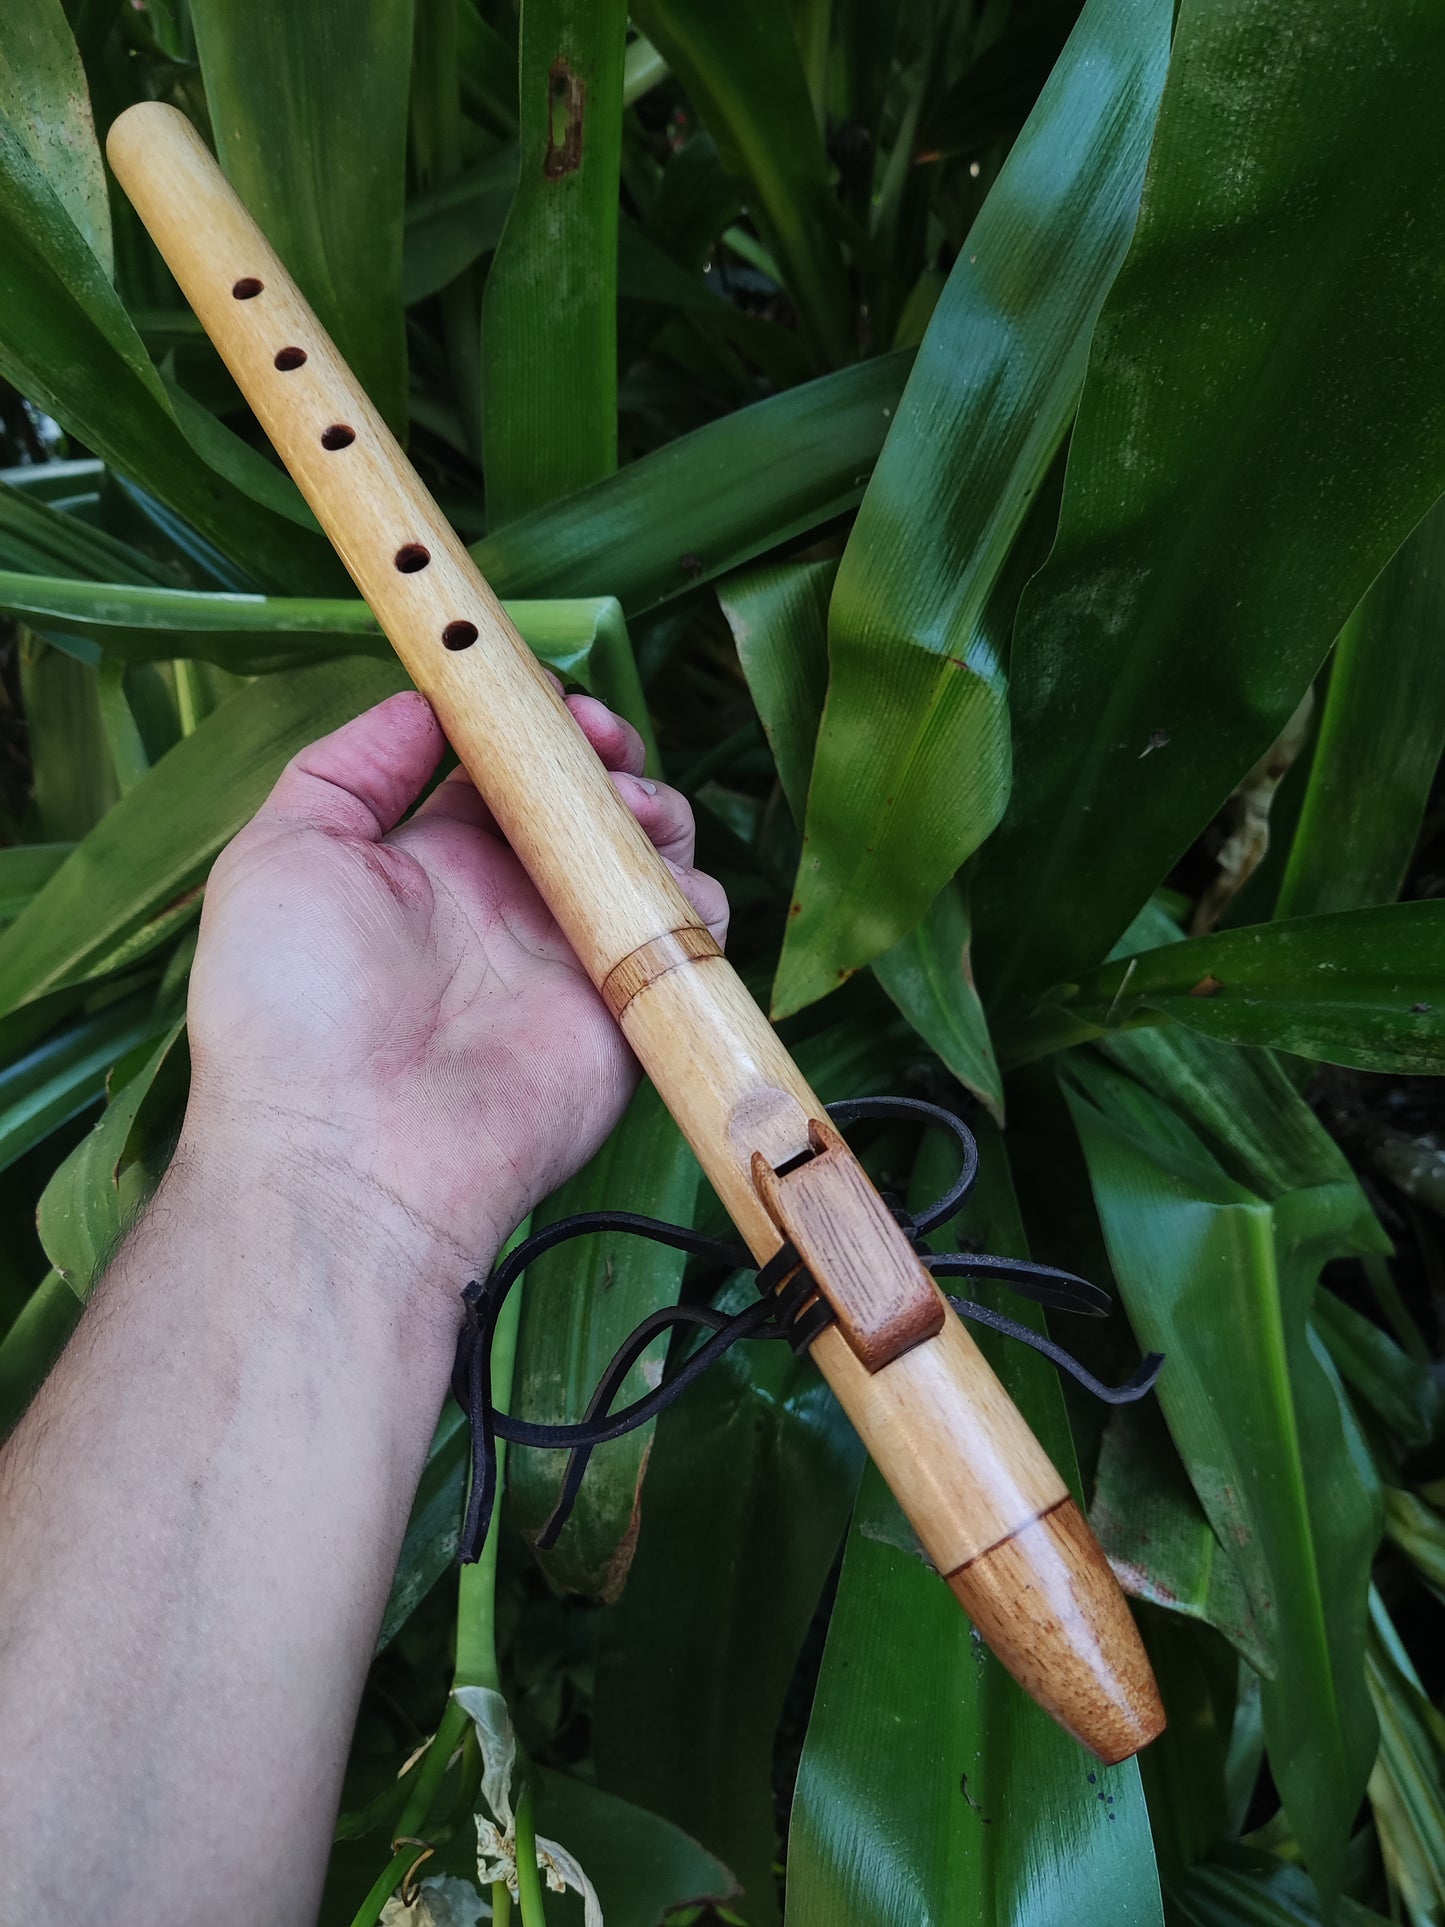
198, 1525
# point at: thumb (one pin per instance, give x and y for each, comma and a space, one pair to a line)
361, 779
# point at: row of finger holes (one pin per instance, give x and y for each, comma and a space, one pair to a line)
411, 556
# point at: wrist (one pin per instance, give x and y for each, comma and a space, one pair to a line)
274, 1178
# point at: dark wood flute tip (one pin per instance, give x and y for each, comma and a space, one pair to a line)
1051, 1610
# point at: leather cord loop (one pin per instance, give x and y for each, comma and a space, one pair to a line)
789, 1307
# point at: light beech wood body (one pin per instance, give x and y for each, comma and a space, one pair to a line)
955, 1450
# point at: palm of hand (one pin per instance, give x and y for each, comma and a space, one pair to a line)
400, 998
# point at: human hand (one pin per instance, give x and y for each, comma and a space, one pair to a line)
389, 1006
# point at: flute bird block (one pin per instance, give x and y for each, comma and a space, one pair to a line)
960, 1458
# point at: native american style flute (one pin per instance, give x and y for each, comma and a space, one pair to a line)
990, 1509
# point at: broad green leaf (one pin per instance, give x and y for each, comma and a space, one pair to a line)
777, 616
67, 343
1219, 1280
1222, 517
1359, 987
1379, 741
308, 104
1158, 1537
912, 765
149, 855
96, 1192
579, 1306
932, 1790
549, 314
24, 868
747, 1497
641, 1866
584, 639
709, 501
32, 1345
126, 884
43, 93
741, 68
60, 1077
929, 975
1407, 1787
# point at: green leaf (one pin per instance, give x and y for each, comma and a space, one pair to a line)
929, 975
434, 1527
1221, 517
1240, 1886
43, 94
932, 1789
68, 345
1158, 1537
124, 887
778, 619
456, 223
1401, 1391
24, 868
56, 1080
1359, 987
912, 765
709, 501
74, 778
579, 1306
778, 615
286, 86
38, 539
641, 1866
32, 1345
1219, 1280
584, 639
747, 1497
149, 856
95, 1193
741, 67
1380, 739
549, 314
1407, 1787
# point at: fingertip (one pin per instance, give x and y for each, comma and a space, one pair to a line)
616, 742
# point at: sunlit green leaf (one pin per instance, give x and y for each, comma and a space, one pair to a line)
912, 766
1222, 517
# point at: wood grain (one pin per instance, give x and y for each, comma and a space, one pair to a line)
964, 1465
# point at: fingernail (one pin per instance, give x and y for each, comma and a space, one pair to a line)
646, 783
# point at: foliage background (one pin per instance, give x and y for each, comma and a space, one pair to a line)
992, 447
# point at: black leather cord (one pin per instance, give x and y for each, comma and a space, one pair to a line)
789, 1307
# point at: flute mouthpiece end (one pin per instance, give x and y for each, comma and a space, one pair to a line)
1052, 1612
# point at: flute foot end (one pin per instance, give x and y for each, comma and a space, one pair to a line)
1052, 1612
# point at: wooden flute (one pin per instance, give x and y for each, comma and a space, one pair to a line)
991, 1511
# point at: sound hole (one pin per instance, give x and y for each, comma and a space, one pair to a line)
247, 288
459, 635
337, 436
411, 557
290, 358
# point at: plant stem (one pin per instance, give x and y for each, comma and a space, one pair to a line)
476, 1662
530, 1901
